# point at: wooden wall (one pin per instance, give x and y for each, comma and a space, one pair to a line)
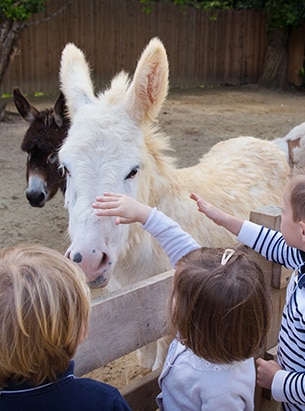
113, 33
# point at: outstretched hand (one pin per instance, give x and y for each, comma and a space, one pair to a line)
231, 223
126, 209
206, 208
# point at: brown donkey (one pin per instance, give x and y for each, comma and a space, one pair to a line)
42, 140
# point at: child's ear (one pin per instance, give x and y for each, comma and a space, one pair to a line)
302, 224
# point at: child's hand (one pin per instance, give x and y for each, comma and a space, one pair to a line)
265, 372
206, 208
231, 223
126, 209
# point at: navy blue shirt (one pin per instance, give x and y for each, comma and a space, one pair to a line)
67, 393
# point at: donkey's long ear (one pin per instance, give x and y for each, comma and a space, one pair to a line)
60, 109
25, 108
149, 86
75, 80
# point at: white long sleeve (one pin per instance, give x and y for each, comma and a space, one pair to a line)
175, 242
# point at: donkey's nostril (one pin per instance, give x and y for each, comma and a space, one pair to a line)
36, 199
77, 258
104, 259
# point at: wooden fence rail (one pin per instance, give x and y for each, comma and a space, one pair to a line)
126, 320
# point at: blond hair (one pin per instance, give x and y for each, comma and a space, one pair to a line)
44, 312
220, 312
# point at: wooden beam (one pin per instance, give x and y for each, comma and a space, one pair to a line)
125, 320
141, 395
270, 216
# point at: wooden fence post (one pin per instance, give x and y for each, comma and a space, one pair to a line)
277, 278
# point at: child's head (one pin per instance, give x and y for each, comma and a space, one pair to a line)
220, 309
44, 313
293, 211
295, 194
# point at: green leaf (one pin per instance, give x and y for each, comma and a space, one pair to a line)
20, 10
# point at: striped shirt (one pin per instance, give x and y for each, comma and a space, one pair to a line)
288, 385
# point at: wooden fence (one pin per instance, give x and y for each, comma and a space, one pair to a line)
126, 320
201, 50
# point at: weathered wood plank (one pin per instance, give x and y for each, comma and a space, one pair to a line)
124, 321
271, 217
277, 277
141, 395
226, 50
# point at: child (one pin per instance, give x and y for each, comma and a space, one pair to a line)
287, 377
219, 314
44, 316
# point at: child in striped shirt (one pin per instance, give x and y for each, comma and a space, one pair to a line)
285, 378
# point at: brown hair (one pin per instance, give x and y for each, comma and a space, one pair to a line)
296, 191
220, 312
44, 313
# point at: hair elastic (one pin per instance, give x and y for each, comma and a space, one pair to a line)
227, 255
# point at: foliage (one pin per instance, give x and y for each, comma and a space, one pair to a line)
20, 10
283, 14
280, 14
13, 17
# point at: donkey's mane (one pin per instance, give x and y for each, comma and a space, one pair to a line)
117, 89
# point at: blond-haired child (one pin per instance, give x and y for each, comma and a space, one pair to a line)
44, 316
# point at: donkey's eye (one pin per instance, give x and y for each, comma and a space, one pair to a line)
52, 158
132, 173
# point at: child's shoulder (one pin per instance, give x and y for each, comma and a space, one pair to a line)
100, 393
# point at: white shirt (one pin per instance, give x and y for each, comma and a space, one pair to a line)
187, 381
191, 383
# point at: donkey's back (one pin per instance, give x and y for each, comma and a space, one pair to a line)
237, 175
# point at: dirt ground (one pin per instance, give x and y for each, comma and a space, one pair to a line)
196, 119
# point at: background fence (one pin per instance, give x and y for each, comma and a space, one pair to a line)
112, 33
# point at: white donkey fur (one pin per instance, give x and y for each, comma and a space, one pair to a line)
114, 145
293, 145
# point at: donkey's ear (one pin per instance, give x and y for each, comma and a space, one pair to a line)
25, 108
60, 109
75, 80
149, 86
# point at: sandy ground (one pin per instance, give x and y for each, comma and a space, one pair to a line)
196, 119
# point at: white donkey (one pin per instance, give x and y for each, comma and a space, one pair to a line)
114, 145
